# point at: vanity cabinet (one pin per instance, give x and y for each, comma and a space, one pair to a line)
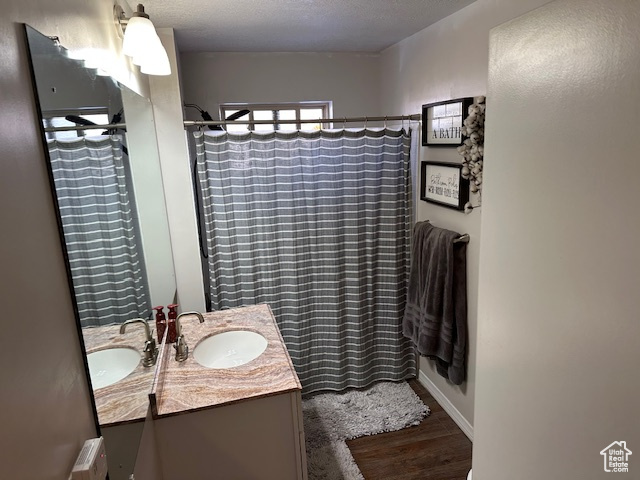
259, 439
236, 423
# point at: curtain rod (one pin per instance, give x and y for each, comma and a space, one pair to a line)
198, 123
108, 126
390, 118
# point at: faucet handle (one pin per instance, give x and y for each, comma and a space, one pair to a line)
150, 353
182, 349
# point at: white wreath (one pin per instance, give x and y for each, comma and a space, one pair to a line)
472, 149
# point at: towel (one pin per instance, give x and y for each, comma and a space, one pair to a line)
435, 316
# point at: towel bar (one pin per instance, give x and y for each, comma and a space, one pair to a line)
462, 239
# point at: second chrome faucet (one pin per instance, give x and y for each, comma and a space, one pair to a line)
182, 349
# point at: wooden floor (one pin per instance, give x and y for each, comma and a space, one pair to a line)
434, 450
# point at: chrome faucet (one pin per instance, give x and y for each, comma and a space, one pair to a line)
150, 352
182, 349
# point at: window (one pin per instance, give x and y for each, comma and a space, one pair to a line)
276, 113
58, 119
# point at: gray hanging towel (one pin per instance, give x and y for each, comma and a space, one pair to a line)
435, 316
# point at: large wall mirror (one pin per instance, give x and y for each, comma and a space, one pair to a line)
107, 185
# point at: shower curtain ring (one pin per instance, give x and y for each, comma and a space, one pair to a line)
385, 122
366, 119
344, 123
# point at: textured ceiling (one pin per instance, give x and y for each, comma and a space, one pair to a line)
296, 25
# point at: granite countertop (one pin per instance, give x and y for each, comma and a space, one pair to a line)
127, 400
181, 387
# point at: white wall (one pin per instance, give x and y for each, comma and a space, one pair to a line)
350, 80
448, 60
45, 397
558, 352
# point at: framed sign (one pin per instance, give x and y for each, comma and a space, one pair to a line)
442, 183
442, 122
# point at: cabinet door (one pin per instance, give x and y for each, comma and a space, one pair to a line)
254, 439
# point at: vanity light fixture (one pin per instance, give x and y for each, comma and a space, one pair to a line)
141, 42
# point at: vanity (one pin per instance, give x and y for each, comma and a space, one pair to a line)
240, 422
231, 410
118, 400
121, 403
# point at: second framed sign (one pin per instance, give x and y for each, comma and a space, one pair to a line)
442, 183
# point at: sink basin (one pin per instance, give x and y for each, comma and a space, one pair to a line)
229, 349
109, 366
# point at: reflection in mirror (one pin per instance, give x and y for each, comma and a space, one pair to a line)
108, 189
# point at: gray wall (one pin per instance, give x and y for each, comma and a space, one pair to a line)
448, 60
45, 398
558, 355
349, 79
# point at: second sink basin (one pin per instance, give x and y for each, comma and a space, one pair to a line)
229, 349
109, 366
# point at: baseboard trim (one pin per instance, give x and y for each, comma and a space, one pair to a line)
447, 406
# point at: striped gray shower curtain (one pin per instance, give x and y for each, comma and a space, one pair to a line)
317, 225
100, 229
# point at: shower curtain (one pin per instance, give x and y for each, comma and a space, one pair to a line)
100, 229
317, 225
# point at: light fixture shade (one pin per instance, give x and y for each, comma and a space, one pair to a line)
156, 60
142, 44
138, 33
